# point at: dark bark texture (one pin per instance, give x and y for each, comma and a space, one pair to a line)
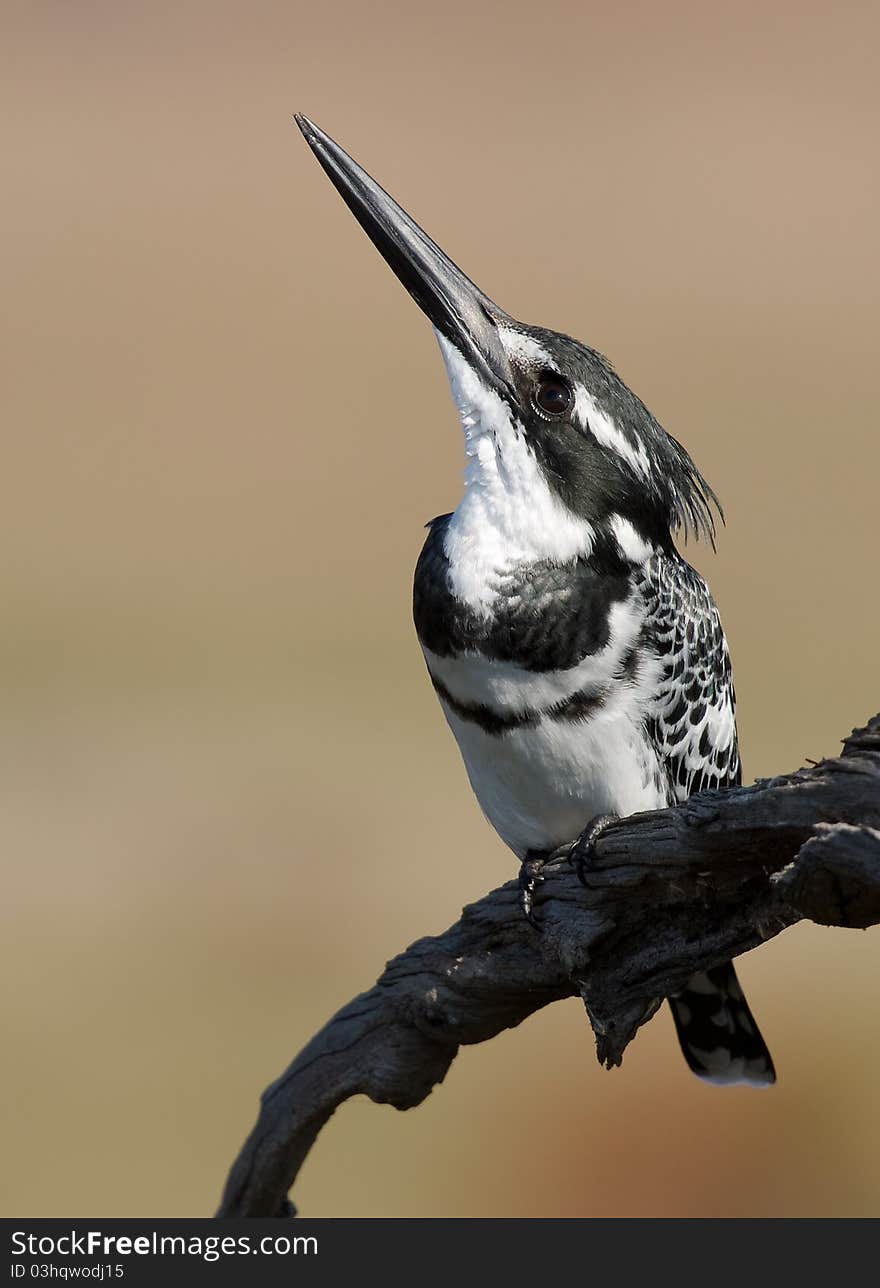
669, 893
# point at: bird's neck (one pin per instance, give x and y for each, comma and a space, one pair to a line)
508, 517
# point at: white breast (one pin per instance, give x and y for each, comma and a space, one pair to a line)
539, 785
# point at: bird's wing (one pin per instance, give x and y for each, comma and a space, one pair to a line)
692, 719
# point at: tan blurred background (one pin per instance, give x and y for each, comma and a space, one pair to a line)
228, 792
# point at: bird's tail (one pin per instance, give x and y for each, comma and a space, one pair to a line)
718, 1035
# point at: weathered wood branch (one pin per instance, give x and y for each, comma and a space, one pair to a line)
669, 893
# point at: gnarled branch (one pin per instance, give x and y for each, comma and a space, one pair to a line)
670, 893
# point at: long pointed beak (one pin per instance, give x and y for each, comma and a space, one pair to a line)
459, 310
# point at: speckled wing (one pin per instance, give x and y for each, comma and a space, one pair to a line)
693, 727
693, 717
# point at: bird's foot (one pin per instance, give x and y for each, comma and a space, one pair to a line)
584, 849
529, 876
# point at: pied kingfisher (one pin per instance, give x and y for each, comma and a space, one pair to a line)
579, 660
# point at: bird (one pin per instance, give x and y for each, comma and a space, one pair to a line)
578, 658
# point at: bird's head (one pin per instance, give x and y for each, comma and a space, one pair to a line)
530, 396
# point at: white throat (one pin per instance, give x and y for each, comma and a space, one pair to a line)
509, 514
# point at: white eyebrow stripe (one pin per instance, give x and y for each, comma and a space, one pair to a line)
525, 347
604, 430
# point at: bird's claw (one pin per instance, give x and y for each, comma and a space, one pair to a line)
529, 876
584, 849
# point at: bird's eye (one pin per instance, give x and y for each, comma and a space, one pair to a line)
553, 395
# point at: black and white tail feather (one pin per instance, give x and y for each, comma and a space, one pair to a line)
717, 1032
